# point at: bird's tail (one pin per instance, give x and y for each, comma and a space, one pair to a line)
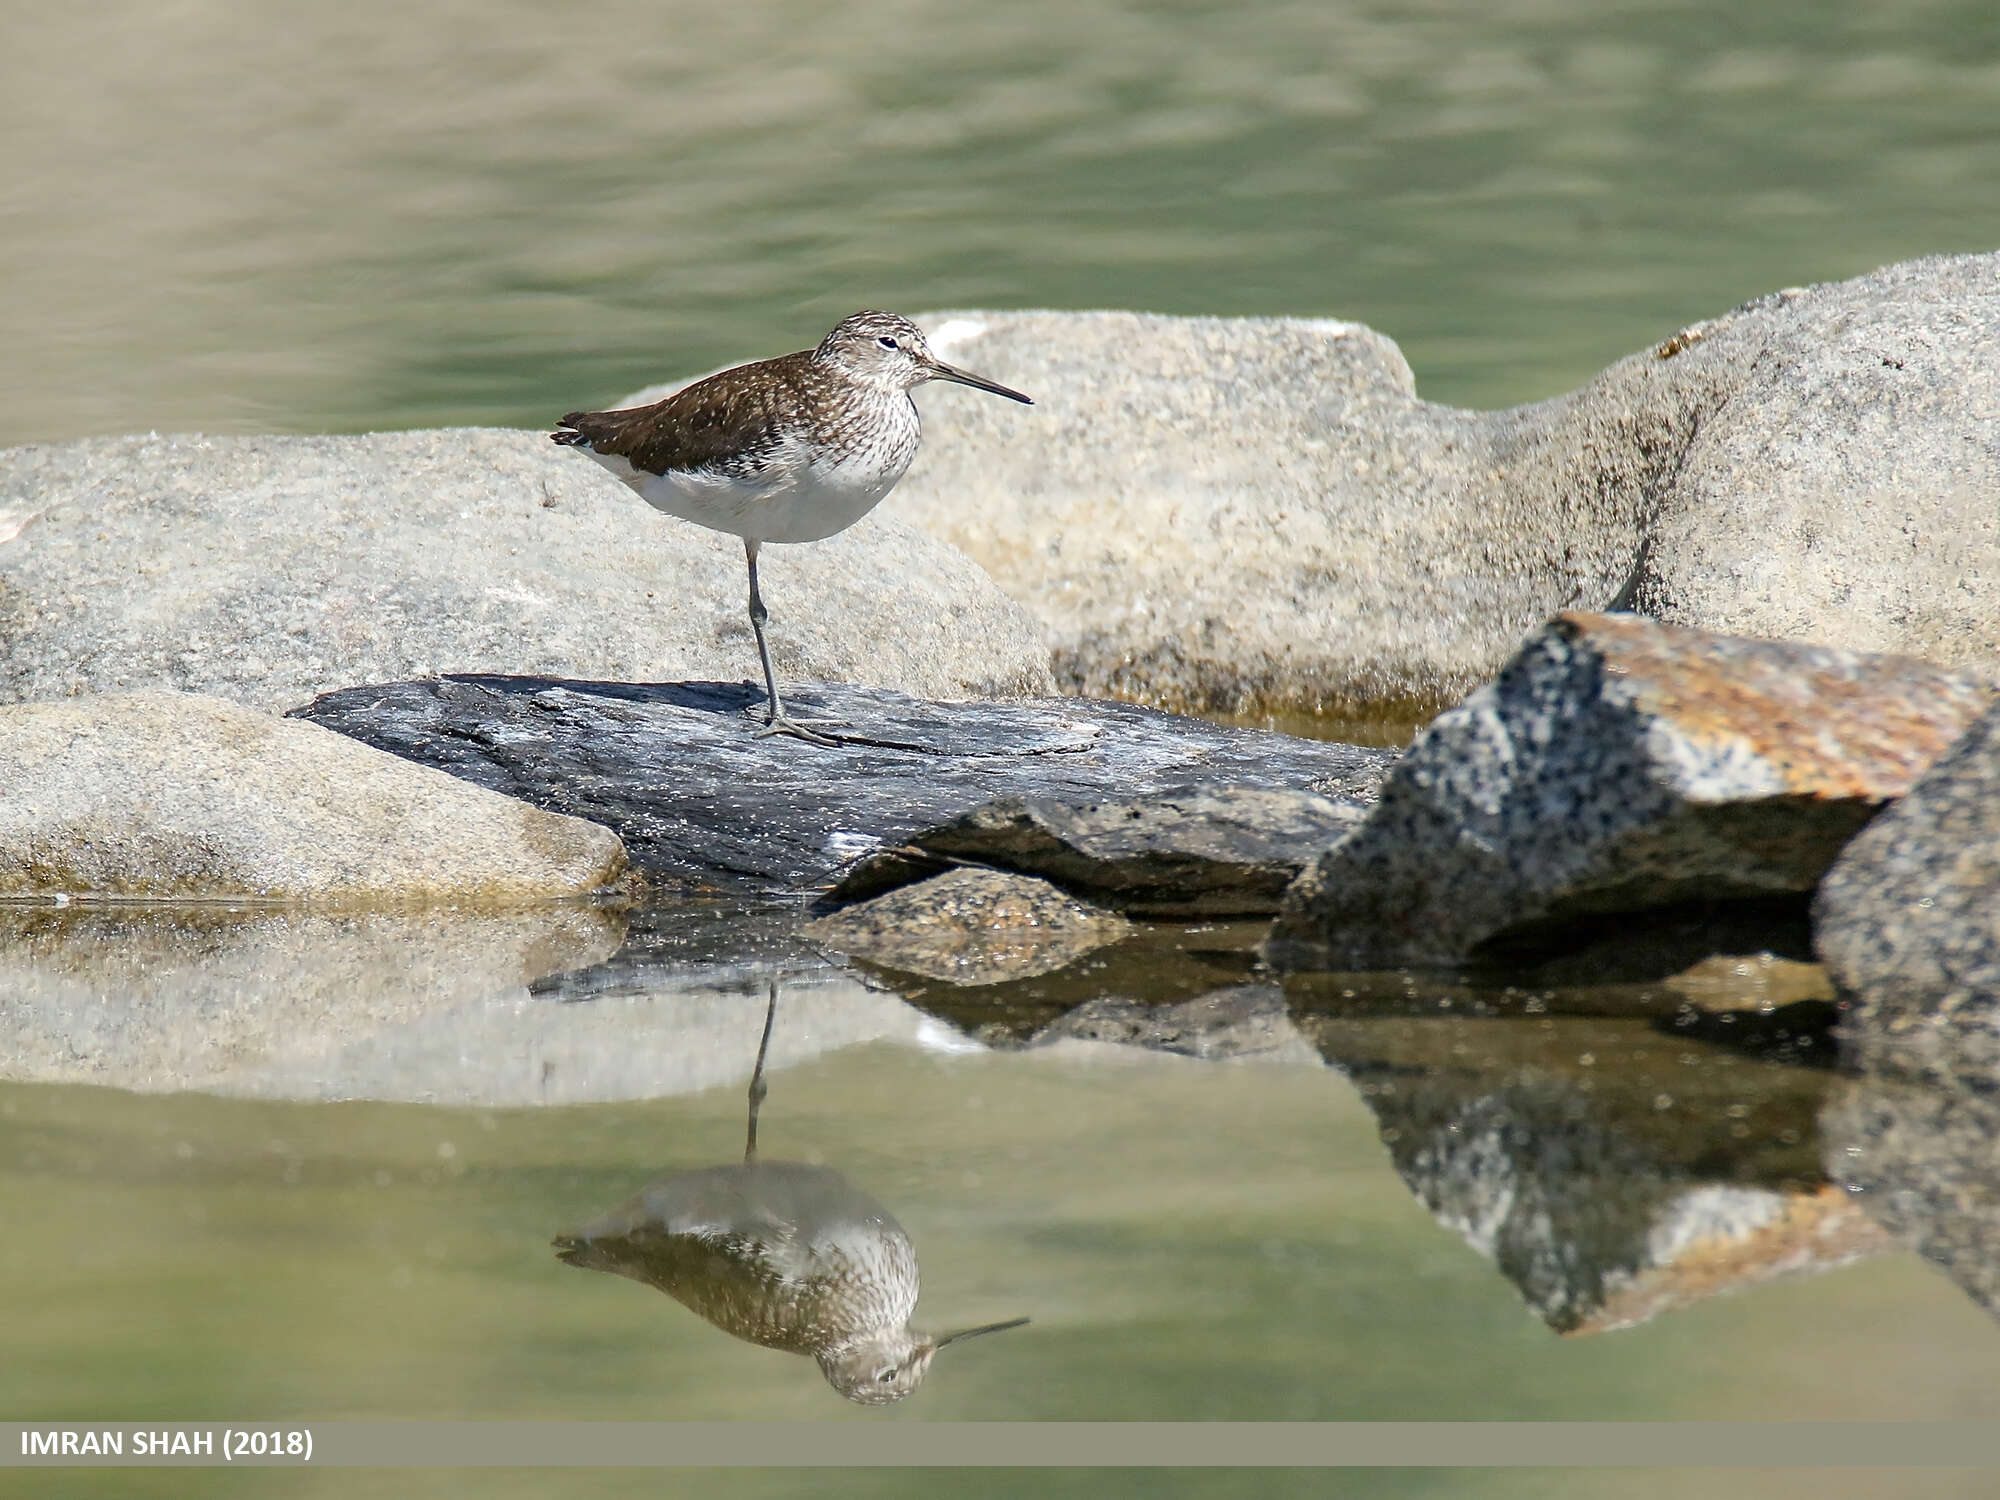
573, 430
575, 1250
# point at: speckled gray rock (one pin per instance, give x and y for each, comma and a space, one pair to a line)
1246, 1022
265, 570
172, 795
971, 927
1922, 1163
1200, 851
1908, 921
1617, 764
1261, 513
700, 801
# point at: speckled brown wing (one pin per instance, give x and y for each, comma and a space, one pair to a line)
726, 423
785, 1254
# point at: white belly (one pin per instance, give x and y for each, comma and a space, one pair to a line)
794, 499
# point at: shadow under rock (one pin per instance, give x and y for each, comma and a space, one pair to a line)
1637, 947
1726, 977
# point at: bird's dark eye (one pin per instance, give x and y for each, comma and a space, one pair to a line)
888, 343
887, 1375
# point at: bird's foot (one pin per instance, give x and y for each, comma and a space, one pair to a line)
802, 729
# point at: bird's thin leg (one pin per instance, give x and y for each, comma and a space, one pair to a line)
774, 709
757, 1089
776, 720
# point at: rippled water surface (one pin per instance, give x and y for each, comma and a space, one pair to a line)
369, 215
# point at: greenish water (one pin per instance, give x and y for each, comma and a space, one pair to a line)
1193, 1242
356, 217
1586, 1192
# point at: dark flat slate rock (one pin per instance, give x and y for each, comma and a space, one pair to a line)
676, 769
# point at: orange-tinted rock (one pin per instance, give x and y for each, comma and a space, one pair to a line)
1700, 1257
1617, 764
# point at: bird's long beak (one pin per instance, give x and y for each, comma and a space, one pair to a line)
942, 371
973, 1333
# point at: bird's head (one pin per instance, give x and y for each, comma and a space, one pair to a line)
885, 350
885, 1365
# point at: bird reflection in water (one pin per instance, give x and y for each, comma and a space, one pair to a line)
783, 1254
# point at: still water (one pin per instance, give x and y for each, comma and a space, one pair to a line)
373, 215
1531, 1196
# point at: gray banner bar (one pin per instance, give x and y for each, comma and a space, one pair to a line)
1008, 1445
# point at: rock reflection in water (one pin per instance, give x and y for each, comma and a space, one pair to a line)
1611, 1167
284, 1002
1160, 965
782, 1254
1919, 1158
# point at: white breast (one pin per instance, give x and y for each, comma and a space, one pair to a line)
800, 494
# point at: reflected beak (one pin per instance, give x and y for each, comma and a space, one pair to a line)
973, 1333
942, 371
